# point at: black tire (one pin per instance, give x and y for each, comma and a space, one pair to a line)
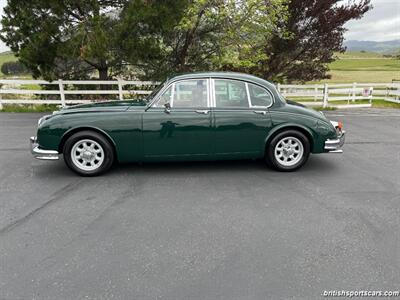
273, 162
106, 148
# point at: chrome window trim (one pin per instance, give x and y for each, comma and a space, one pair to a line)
211, 93
248, 93
171, 100
215, 95
212, 100
214, 103
267, 90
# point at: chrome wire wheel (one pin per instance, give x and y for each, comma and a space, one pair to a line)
289, 151
87, 155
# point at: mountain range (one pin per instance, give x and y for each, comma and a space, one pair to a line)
388, 47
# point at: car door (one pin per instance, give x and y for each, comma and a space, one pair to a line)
178, 124
240, 117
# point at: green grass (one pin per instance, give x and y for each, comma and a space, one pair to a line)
377, 103
24, 108
363, 67
358, 54
321, 108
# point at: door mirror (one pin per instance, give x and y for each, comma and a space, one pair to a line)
167, 108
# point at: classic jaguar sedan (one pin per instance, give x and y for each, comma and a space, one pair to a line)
201, 116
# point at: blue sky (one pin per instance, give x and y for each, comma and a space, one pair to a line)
382, 23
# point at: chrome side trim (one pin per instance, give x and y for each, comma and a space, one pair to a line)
41, 153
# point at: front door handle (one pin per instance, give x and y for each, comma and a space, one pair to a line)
261, 112
204, 112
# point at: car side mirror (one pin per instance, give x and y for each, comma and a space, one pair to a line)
167, 108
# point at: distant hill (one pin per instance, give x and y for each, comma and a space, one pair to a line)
388, 47
6, 53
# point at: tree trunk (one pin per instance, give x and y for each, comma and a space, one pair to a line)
103, 75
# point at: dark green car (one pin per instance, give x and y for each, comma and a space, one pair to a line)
202, 116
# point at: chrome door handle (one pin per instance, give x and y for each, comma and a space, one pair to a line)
261, 112
204, 112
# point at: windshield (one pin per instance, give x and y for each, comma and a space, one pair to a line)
155, 91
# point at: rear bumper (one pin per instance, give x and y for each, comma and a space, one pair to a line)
333, 146
41, 153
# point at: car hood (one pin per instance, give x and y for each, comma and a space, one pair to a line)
102, 106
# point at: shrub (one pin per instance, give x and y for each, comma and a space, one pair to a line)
13, 68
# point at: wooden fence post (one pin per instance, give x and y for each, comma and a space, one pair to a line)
121, 95
326, 96
315, 93
62, 94
353, 96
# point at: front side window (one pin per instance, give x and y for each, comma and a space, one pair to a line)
190, 93
187, 93
259, 96
230, 93
165, 98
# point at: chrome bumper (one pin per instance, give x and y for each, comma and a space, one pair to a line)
333, 146
40, 153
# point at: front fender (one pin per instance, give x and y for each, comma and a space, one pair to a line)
71, 131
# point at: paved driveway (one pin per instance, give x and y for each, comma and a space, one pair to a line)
220, 230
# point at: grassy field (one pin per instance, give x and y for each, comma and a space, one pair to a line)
363, 67
350, 67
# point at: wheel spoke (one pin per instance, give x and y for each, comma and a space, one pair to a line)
84, 160
289, 151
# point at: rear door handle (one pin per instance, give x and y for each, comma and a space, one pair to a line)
261, 112
204, 112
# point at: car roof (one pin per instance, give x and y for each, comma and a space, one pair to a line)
228, 75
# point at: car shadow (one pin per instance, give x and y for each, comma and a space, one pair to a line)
316, 163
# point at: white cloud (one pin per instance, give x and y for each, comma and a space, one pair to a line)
382, 23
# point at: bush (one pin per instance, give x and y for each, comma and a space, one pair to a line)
14, 68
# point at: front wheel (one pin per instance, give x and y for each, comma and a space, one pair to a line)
88, 153
288, 151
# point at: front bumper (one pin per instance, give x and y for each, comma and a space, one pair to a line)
333, 146
41, 153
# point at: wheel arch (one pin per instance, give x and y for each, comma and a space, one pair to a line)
307, 132
74, 130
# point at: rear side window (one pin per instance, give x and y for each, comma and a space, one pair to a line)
230, 93
259, 96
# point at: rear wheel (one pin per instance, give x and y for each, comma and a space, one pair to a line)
88, 153
288, 151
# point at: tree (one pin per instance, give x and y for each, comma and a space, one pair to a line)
144, 28
78, 35
305, 42
199, 35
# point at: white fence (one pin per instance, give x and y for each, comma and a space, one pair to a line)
336, 94
64, 92
65, 89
